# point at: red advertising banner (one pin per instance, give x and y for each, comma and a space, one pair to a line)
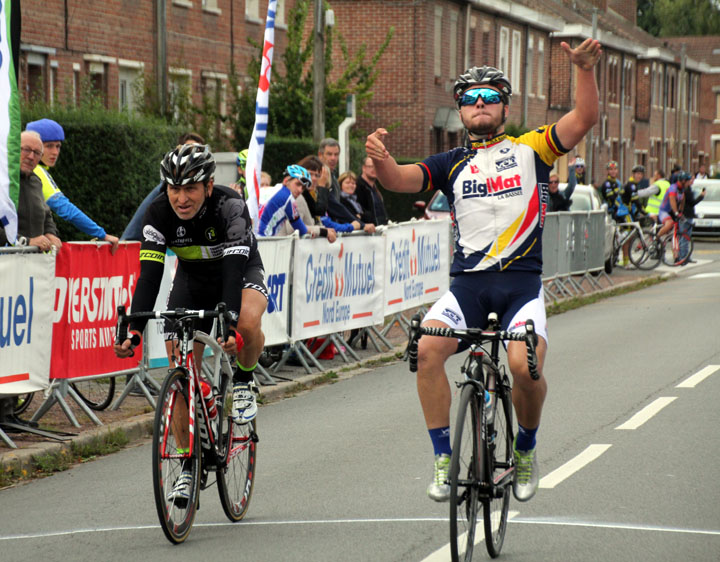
90, 284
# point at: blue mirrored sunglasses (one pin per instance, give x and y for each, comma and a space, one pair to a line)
488, 96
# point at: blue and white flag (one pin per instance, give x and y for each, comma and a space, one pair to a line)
262, 104
9, 121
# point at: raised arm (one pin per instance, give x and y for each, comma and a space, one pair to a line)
573, 126
407, 178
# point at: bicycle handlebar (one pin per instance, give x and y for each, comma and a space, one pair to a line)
473, 336
220, 312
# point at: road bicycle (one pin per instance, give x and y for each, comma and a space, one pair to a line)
214, 444
677, 246
481, 465
643, 249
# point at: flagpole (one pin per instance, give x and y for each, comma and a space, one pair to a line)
262, 103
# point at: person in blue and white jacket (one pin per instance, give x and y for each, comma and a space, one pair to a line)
53, 135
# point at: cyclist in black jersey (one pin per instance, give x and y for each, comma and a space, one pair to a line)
208, 227
497, 187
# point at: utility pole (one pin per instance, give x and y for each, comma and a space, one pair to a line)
161, 53
319, 72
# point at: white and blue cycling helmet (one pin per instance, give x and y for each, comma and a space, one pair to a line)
298, 172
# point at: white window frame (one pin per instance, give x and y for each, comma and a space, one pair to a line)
530, 65
211, 6
252, 10
541, 68
504, 49
453, 59
516, 64
175, 75
129, 71
437, 41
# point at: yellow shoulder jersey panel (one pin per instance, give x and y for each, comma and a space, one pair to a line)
544, 141
49, 186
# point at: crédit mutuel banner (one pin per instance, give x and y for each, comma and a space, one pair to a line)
90, 285
417, 264
25, 321
337, 286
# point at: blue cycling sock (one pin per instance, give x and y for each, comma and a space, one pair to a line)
440, 437
525, 439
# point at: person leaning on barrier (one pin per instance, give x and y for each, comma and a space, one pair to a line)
557, 200
53, 135
36, 226
497, 264
133, 231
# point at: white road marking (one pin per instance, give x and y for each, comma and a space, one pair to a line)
704, 275
572, 466
646, 413
443, 554
608, 525
698, 377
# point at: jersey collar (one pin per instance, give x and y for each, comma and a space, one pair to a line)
489, 143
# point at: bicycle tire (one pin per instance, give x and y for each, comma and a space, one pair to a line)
236, 478
672, 257
464, 476
176, 518
22, 403
643, 254
498, 469
98, 394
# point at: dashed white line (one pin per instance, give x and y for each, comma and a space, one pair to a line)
443, 554
572, 466
646, 413
697, 378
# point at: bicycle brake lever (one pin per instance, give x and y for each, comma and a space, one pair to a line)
531, 343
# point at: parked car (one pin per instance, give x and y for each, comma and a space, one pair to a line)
587, 198
708, 210
437, 208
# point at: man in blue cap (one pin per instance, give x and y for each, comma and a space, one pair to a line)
52, 136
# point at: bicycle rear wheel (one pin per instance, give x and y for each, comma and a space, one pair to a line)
643, 252
176, 516
465, 476
96, 393
235, 478
498, 467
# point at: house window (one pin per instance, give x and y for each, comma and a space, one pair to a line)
628, 83
541, 67
504, 50
53, 82
36, 77
516, 65
75, 83
210, 5
280, 14
129, 85
252, 9
97, 74
179, 91
453, 43
214, 91
438, 40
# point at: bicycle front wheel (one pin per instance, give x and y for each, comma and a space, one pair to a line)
643, 252
678, 250
498, 470
169, 459
235, 478
22, 402
465, 476
96, 393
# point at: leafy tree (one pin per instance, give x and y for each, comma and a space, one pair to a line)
674, 18
291, 87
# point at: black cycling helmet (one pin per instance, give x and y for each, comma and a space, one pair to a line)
639, 168
482, 76
188, 163
684, 176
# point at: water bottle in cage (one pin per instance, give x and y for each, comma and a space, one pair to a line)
209, 398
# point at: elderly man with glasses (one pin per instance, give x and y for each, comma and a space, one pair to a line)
559, 200
35, 223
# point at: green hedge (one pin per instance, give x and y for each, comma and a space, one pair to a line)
108, 163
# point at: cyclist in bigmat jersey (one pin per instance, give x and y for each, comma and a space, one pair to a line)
208, 227
497, 189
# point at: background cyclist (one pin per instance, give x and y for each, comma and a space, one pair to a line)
497, 187
208, 227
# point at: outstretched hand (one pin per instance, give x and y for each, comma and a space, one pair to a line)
374, 145
586, 55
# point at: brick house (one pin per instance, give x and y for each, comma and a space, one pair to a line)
652, 110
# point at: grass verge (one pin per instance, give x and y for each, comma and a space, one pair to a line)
44, 465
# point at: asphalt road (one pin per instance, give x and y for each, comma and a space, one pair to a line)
628, 451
